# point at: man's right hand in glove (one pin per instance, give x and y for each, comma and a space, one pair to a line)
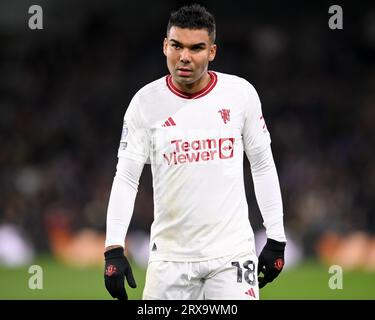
117, 268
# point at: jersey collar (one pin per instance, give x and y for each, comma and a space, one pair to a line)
196, 95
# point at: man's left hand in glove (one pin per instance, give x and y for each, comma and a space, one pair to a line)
271, 261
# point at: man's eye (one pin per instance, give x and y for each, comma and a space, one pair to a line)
176, 46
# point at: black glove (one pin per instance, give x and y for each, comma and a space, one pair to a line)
271, 261
117, 268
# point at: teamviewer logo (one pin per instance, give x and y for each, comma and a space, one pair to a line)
226, 148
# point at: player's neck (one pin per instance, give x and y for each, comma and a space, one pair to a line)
195, 87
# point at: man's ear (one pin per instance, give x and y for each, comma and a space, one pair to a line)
212, 54
165, 45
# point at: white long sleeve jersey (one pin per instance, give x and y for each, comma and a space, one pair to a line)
195, 145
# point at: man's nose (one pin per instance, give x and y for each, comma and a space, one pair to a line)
185, 56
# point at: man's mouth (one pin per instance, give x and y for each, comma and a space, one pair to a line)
184, 72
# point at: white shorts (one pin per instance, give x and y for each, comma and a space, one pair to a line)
225, 278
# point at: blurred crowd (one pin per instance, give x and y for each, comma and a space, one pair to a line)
64, 91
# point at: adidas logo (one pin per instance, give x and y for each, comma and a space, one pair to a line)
250, 292
169, 123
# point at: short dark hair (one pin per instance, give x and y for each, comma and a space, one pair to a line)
193, 17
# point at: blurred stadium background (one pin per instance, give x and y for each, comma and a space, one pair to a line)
63, 93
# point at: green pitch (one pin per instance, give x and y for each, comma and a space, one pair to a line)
307, 281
